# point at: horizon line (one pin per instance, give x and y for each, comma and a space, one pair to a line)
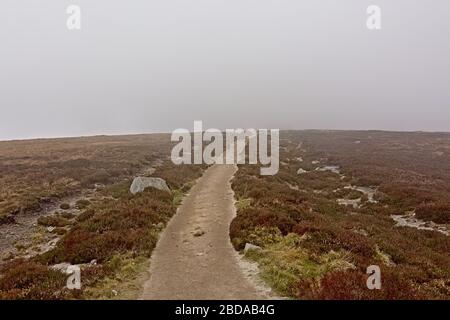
169, 132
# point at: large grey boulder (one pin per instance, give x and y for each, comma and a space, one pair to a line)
141, 183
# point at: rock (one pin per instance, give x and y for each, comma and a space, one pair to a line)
114, 292
249, 246
141, 183
334, 169
301, 171
93, 262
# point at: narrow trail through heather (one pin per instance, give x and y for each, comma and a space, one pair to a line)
194, 258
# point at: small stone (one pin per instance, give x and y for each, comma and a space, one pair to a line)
199, 233
249, 246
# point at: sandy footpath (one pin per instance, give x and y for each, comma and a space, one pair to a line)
194, 258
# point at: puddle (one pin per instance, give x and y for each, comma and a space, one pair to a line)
356, 203
410, 220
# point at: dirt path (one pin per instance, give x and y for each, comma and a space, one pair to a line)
194, 258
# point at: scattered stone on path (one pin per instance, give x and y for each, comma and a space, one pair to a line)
199, 233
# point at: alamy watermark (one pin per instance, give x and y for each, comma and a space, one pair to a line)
374, 19
374, 279
74, 19
230, 151
74, 279
73, 22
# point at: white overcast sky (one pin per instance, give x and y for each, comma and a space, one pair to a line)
156, 65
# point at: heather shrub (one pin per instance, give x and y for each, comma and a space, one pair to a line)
351, 285
31, 280
437, 212
89, 213
249, 218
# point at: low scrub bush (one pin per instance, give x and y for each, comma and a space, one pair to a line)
414, 262
53, 221
32, 280
436, 212
351, 285
65, 206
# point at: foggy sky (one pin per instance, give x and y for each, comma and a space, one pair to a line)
156, 65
